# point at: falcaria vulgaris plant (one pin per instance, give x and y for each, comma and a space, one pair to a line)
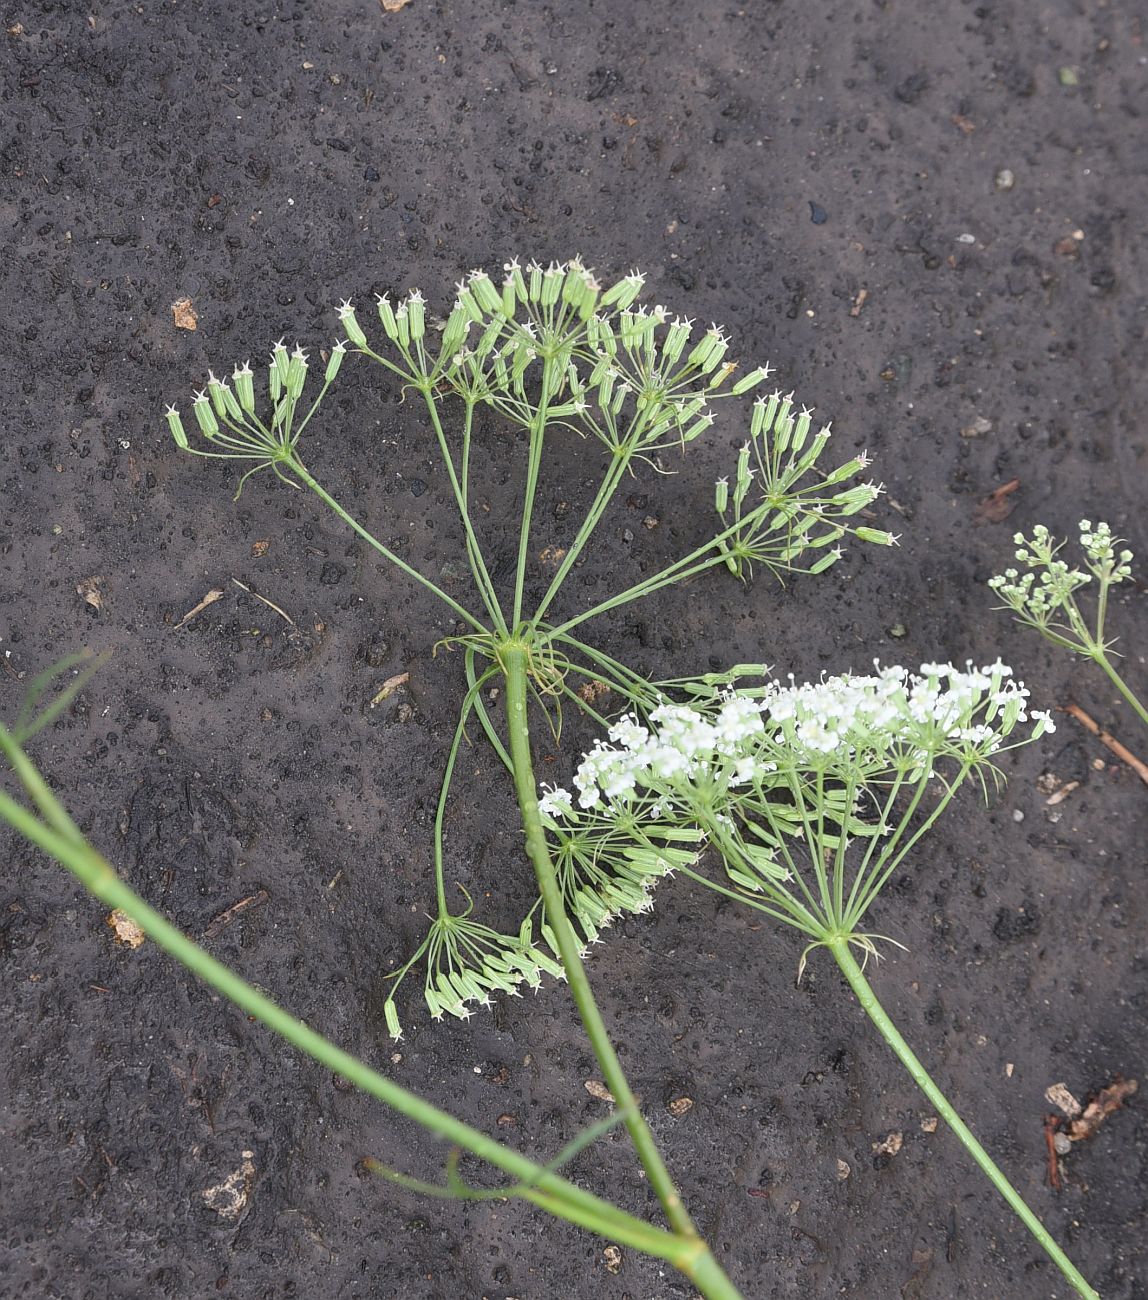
1046, 596
811, 796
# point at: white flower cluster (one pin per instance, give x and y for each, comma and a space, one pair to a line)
891, 719
686, 745
1100, 547
1050, 584
894, 709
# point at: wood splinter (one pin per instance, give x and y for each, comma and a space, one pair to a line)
1109, 741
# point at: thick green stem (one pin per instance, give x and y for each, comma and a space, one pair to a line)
843, 955
514, 665
563, 1198
304, 475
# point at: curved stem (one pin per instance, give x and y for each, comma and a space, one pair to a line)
448, 773
300, 470
483, 716
842, 954
96, 874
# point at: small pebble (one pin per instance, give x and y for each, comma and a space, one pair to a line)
1017, 815
898, 630
1004, 179
966, 238
1062, 1144
817, 214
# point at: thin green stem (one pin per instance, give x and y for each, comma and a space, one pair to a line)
514, 665
304, 475
483, 716
843, 955
1122, 686
473, 549
619, 462
668, 577
448, 773
534, 462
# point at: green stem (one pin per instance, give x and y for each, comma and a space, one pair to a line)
619, 462
1118, 681
61, 838
96, 874
840, 949
667, 578
300, 470
514, 665
534, 462
448, 773
474, 551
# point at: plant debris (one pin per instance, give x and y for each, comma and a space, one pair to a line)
1106, 1102
1077, 1123
183, 313
269, 603
229, 1198
89, 588
224, 919
389, 687
998, 505
1110, 742
125, 929
598, 1090
216, 593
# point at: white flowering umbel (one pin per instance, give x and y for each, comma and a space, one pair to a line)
554, 353
814, 793
1046, 595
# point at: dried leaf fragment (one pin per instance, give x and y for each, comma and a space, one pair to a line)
1060, 1097
89, 588
598, 1090
229, 1198
612, 1258
680, 1106
183, 313
125, 929
997, 506
393, 6
260, 549
890, 1146
389, 687
593, 691
929, 1124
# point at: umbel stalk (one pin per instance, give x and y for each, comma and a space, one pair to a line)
852, 971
